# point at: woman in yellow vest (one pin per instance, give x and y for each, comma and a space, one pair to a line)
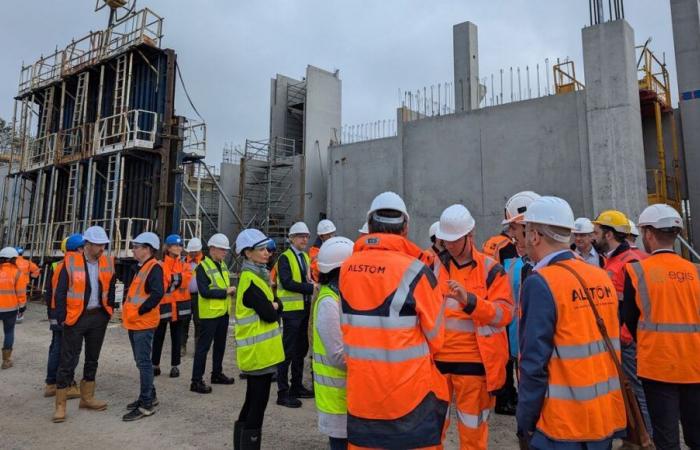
328, 357
258, 336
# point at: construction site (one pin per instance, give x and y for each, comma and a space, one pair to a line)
95, 139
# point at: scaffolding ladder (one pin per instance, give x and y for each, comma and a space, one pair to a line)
112, 195
74, 175
121, 92
80, 99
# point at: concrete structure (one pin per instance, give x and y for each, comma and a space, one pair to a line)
466, 66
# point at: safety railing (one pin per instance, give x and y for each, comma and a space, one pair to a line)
658, 188
142, 27
190, 228
75, 141
653, 75
124, 231
81, 53
41, 152
565, 78
134, 129
42, 73
194, 139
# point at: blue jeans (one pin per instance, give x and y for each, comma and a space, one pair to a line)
629, 366
54, 356
141, 345
8, 318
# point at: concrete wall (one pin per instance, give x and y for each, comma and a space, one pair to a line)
465, 44
278, 104
229, 179
651, 157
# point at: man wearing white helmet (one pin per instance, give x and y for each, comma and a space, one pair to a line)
329, 360
583, 242
294, 288
392, 328
363, 229
478, 308
193, 258
12, 299
214, 288
633, 235
661, 309
569, 392
324, 231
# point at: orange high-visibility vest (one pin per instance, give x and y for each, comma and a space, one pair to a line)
668, 334
392, 325
584, 401
134, 299
615, 266
494, 244
176, 301
11, 288
313, 256
77, 278
480, 336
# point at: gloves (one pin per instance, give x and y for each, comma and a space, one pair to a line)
143, 309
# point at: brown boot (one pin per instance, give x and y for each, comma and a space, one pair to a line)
6, 358
87, 397
73, 391
50, 390
59, 414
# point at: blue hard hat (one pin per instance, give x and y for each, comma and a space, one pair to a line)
74, 242
173, 239
271, 245
20, 250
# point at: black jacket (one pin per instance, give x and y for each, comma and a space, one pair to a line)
203, 283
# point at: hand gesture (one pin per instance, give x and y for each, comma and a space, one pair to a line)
458, 291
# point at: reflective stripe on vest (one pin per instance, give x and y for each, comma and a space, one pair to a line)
292, 301
473, 420
211, 308
583, 393
583, 350
259, 338
385, 355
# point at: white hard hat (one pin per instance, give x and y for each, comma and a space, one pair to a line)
333, 253
455, 222
9, 252
194, 245
388, 200
96, 235
583, 225
299, 228
517, 205
325, 227
634, 231
660, 216
364, 229
149, 239
219, 240
250, 238
552, 211
433, 229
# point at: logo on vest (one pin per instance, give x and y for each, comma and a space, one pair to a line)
596, 292
366, 268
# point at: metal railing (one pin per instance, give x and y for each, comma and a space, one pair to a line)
142, 27
194, 139
83, 52
41, 152
75, 141
565, 78
653, 75
125, 230
190, 228
43, 72
135, 129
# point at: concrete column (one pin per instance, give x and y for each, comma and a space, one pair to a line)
615, 140
466, 66
685, 15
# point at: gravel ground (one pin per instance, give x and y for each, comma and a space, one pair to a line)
184, 420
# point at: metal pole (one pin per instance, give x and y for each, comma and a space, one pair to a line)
689, 247
223, 195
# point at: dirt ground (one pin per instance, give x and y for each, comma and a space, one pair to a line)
184, 420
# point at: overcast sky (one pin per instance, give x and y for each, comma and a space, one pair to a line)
229, 49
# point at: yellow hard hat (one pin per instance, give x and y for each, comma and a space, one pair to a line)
63, 244
616, 220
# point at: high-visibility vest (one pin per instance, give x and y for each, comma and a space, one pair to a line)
77, 279
11, 288
494, 244
329, 380
292, 301
258, 343
668, 334
480, 336
313, 261
211, 308
134, 299
396, 396
615, 266
176, 302
56, 268
584, 400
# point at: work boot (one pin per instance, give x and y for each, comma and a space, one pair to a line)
284, 399
87, 397
174, 372
73, 391
50, 390
220, 378
250, 439
6, 358
237, 430
301, 392
139, 413
59, 414
200, 387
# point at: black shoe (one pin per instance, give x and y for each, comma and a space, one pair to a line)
136, 403
250, 439
505, 409
139, 413
289, 402
237, 431
220, 378
301, 392
199, 387
156, 371
174, 372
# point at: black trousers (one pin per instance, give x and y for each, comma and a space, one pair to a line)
257, 394
159, 339
295, 339
91, 328
211, 330
508, 393
668, 404
191, 318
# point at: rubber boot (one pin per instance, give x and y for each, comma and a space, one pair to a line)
59, 414
87, 397
250, 439
50, 390
237, 429
6, 358
73, 391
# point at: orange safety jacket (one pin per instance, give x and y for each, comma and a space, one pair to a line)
74, 264
584, 400
134, 299
668, 333
27, 269
479, 336
313, 257
494, 244
176, 302
12, 288
55, 275
615, 266
392, 324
